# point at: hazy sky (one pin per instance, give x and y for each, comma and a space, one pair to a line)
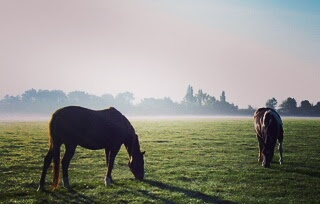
252, 50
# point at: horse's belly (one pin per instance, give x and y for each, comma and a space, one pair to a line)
92, 146
91, 135
99, 141
92, 142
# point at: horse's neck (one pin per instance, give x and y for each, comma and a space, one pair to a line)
132, 145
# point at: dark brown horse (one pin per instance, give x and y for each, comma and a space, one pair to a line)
268, 126
106, 129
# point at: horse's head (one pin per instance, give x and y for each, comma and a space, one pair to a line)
267, 155
136, 165
267, 152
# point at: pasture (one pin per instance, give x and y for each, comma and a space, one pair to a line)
186, 161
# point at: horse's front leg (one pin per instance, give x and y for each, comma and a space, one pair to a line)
110, 157
107, 152
260, 148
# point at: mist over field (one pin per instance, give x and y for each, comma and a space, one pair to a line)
40, 104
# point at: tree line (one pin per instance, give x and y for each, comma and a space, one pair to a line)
44, 102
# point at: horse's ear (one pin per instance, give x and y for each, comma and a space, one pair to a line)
143, 152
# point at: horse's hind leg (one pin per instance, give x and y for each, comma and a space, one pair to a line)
260, 148
280, 151
107, 152
46, 164
280, 140
70, 149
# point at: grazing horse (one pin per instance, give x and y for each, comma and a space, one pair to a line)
105, 129
268, 126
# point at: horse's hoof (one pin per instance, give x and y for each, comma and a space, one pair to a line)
40, 188
280, 162
266, 165
71, 190
108, 181
68, 188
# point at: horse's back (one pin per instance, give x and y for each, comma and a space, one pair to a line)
267, 120
89, 128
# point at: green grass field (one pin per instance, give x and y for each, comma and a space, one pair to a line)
187, 161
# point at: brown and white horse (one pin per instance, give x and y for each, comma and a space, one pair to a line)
106, 129
269, 129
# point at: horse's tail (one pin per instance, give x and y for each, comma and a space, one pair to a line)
55, 146
56, 168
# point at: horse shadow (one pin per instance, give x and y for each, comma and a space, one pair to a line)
189, 193
293, 167
65, 196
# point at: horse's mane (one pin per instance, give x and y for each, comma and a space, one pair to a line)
133, 140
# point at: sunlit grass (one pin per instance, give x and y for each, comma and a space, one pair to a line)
187, 161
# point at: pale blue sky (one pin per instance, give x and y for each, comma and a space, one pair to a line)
253, 50
292, 25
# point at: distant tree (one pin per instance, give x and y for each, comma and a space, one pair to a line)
157, 106
108, 99
201, 97
47, 101
316, 109
305, 107
306, 104
250, 108
189, 98
79, 98
43, 96
29, 96
223, 97
271, 103
288, 106
248, 111
11, 99
125, 98
210, 101
224, 107
59, 96
11, 104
